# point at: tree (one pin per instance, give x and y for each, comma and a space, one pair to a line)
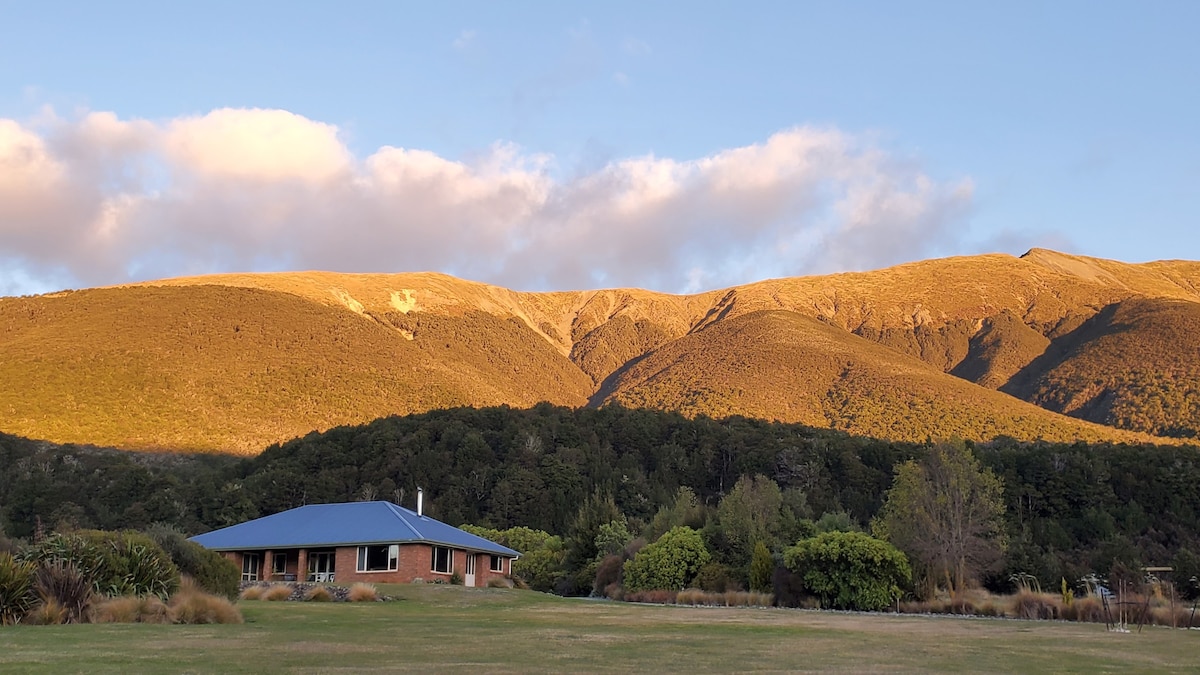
850, 570
752, 511
762, 566
947, 514
669, 563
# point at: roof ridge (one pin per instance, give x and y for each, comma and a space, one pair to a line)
402, 518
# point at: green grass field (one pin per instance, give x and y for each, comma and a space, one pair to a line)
453, 629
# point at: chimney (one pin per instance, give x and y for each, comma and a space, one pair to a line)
420, 500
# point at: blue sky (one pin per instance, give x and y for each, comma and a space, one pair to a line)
677, 146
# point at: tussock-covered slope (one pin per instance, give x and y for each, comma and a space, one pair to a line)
783, 366
234, 362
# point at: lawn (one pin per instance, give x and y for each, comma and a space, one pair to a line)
449, 628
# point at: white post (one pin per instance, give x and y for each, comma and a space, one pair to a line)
420, 500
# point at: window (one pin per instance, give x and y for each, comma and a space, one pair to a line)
382, 558
441, 559
497, 564
279, 563
251, 564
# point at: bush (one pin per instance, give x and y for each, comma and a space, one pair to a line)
211, 570
716, 578
118, 563
608, 572
669, 563
499, 582
318, 594
762, 566
63, 583
456, 578
850, 570
361, 592
17, 596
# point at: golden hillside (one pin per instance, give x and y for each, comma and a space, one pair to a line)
235, 362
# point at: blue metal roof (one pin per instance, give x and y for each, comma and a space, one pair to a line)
350, 524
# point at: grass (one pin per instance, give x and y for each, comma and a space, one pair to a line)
450, 628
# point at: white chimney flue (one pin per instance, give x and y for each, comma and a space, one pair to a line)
420, 500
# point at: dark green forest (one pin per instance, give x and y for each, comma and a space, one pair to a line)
1071, 509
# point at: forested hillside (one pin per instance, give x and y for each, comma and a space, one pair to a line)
1070, 508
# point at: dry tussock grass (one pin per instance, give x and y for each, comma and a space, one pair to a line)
197, 607
251, 593
318, 594
48, 613
131, 609
361, 592
277, 592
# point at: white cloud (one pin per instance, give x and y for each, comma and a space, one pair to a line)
465, 39
101, 200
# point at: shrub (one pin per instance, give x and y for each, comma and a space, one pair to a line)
762, 566
131, 609
456, 578
118, 563
361, 592
850, 570
276, 592
211, 570
194, 606
62, 582
669, 563
715, 577
608, 572
499, 582
17, 596
318, 594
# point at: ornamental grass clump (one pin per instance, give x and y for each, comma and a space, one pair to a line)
361, 592
131, 609
191, 605
252, 592
48, 613
65, 584
277, 592
318, 594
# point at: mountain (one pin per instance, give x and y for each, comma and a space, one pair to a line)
1046, 345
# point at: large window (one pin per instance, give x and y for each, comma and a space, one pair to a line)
441, 559
382, 558
497, 564
279, 563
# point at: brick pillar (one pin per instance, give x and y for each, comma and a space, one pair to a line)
302, 565
267, 568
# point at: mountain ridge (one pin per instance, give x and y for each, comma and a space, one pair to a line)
359, 346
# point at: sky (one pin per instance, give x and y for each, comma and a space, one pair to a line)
676, 146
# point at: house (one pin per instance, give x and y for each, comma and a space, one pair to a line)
375, 542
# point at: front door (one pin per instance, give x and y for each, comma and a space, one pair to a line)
320, 566
469, 580
251, 564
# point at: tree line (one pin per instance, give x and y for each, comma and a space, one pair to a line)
1065, 510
